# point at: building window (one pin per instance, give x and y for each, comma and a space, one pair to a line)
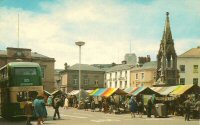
110, 75
195, 69
96, 82
120, 84
142, 75
107, 85
195, 81
115, 74
182, 81
110, 84
43, 71
120, 73
125, 73
115, 84
182, 68
125, 84
75, 81
136, 76
86, 81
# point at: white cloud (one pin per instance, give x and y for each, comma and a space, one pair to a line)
107, 28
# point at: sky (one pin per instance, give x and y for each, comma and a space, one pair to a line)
109, 28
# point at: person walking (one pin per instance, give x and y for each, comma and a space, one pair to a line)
56, 105
187, 105
149, 107
39, 109
49, 101
28, 110
133, 107
92, 105
140, 108
66, 104
197, 106
105, 105
86, 104
111, 105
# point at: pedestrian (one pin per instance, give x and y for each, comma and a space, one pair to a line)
75, 102
140, 108
66, 105
28, 110
149, 107
111, 104
44, 108
86, 104
100, 103
92, 105
132, 106
39, 109
187, 106
197, 106
105, 105
49, 101
56, 104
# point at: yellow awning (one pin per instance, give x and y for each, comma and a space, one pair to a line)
181, 89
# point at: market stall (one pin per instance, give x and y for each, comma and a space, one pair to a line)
82, 92
111, 91
98, 92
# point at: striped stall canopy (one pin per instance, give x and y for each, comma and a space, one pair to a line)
140, 89
89, 91
111, 91
128, 90
168, 90
164, 90
99, 92
74, 92
94, 91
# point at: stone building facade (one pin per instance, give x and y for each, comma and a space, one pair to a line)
25, 55
167, 72
118, 76
144, 75
189, 67
91, 77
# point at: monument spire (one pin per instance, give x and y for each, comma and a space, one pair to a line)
167, 73
167, 35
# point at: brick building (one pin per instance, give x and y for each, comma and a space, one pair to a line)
25, 55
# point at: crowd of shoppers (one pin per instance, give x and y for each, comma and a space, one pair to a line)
36, 106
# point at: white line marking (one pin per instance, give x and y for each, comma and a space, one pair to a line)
105, 120
83, 114
73, 116
159, 119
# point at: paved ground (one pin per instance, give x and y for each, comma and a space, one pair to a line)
80, 117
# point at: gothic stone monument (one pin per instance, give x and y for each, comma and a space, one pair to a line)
167, 72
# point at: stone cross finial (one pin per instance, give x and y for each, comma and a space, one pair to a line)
167, 13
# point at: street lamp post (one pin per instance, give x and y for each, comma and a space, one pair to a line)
79, 43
